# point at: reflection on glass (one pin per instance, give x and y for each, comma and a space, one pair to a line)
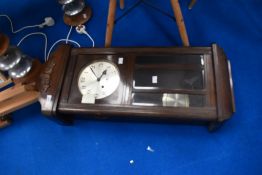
167, 100
175, 79
170, 59
176, 100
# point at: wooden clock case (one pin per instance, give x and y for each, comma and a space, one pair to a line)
211, 98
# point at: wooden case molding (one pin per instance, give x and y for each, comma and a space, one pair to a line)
51, 80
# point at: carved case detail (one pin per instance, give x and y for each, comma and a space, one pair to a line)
51, 79
45, 76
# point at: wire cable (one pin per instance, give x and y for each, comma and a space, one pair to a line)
36, 33
58, 41
81, 29
62, 40
68, 35
93, 42
19, 30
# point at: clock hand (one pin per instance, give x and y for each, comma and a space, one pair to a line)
104, 73
93, 72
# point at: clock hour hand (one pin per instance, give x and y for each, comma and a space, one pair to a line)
104, 73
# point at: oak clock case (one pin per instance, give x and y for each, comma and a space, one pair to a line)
174, 84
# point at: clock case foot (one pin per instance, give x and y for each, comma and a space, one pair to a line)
65, 120
68, 120
214, 126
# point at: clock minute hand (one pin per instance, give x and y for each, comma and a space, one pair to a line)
93, 72
104, 73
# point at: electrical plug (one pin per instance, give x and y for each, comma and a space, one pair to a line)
81, 29
49, 21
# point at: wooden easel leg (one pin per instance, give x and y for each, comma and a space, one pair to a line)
110, 22
180, 22
3, 80
17, 102
192, 3
122, 4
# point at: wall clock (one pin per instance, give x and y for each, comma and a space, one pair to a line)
172, 84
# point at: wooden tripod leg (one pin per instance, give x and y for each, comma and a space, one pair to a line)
110, 22
12, 92
122, 4
180, 22
16, 97
18, 102
192, 3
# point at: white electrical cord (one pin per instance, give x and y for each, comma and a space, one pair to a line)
81, 29
61, 40
49, 22
36, 33
93, 42
68, 35
23, 28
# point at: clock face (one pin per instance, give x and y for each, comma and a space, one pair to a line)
98, 80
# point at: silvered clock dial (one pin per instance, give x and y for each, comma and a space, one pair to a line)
98, 80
